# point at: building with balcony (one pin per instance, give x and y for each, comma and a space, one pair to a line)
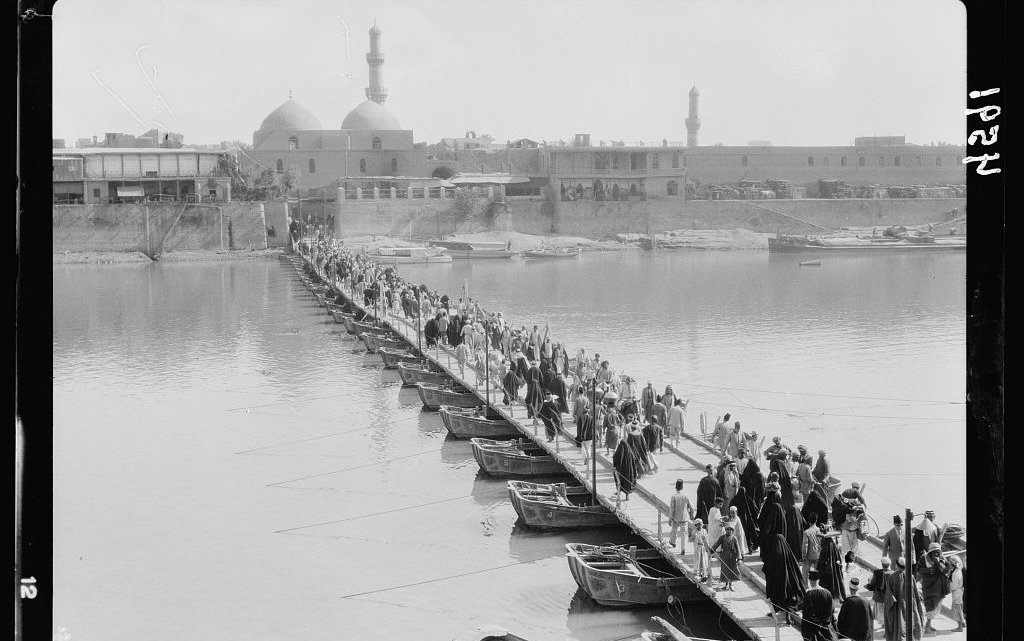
105, 175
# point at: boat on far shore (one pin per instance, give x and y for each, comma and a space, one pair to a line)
410, 255
475, 249
856, 245
551, 252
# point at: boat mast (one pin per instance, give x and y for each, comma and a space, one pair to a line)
593, 440
487, 373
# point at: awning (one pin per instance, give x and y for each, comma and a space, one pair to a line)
130, 191
487, 179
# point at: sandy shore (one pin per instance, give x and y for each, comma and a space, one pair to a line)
189, 256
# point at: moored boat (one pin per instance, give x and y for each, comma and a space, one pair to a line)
359, 327
848, 244
458, 249
392, 357
434, 397
465, 422
514, 458
627, 577
410, 255
412, 373
572, 252
375, 340
557, 506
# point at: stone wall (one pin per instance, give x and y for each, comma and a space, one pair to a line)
158, 227
432, 218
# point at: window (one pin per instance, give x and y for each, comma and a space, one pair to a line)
684, 161
881, 161
675, 161
394, 165
312, 166
672, 188
810, 161
938, 161
828, 161
896, 161
280, 165
842, 161
655, 161
376, 142
918, 158
615, 161
293, 142
860, 161
96, 193
743, 161
362, 165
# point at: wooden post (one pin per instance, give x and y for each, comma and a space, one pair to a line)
593, 437
908, 577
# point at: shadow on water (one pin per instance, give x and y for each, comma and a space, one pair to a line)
456, 452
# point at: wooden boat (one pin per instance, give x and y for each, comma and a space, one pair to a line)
811, 263
393, 357
478, 249
488, 633
338, 313
623, 577
359, 327
553, 253
521, 457
464, 422
410, 255
375, 340
557, 506
790, 244
434, 396
412, 373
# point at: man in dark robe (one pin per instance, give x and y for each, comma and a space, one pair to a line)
551, 416
830, 567
455, 330
584, 429
747, 513
784, 583
547, 375
652, 435
818, 620
430, 332
511, 384
629, 457
896, 605
561, 392
856, 616
795, 526
534, 391
707, 490
771, 521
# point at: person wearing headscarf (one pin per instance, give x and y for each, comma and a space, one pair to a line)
752, 480
730, 482
430, 331
510, 384
741, 460
707, 490
772, 490
814, 509
822, 473
877, 586
732, 518
455, 330
547, 375
817, 612
753, 444
924, 533
559, 388
534, 391
747, 512
551, 417
856, 616
933, 572
730, 556
896, 626
611, 422
784, 584
647, 399
830, 568
652, 433
628, 460
805, 480
779, 466
795, 526
956, 587
715, 526
771, 521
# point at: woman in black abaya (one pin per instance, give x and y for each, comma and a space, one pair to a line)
746, 510
830, 568
784, 582
771, 521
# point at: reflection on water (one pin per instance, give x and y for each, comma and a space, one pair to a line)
236, 466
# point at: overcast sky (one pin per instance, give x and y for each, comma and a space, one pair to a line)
796, 72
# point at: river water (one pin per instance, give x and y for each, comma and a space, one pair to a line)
228, 467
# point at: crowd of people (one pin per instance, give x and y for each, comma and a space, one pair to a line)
806, 531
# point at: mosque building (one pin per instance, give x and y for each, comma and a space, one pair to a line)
370, 148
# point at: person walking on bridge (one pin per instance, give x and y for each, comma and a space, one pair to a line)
818, 620
856, 616
707, 490
893, 543
679, 514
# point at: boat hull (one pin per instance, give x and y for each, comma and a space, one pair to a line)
434, 397
462, 254
621, 589
412, 375
375, 341
467, 425
412, 260
514, 458
392, 357
542, 255
777, 247
540, 506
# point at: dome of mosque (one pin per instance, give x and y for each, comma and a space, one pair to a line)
290, 115
368, 116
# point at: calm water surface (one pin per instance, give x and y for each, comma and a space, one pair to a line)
228, 467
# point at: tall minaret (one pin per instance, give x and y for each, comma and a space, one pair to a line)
693, 121
376, 91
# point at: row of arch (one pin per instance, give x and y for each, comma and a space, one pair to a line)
862, 161
362, 165
293, 143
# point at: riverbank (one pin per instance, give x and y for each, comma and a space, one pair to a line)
188, 256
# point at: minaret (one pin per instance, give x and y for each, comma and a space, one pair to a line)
693, 121
376, 92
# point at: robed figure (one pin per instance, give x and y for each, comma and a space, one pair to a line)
551, 416
707, 490
830, 568
784, 582
752, 480
510, 385
747, 513
814, 509
779, 466
534, 391
856, 619
896, 607
818, 620
430, 332
628, 460
561, 392
454, 330
795, 526
771, 521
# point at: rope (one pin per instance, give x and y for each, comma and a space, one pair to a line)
358, 467
365, 516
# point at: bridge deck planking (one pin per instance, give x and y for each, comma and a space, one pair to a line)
747, 605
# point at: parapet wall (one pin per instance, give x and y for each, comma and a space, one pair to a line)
158, 227
592, 219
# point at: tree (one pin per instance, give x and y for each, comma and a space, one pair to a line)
443, 172
464, 204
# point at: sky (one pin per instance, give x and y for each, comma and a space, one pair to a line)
795, 72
